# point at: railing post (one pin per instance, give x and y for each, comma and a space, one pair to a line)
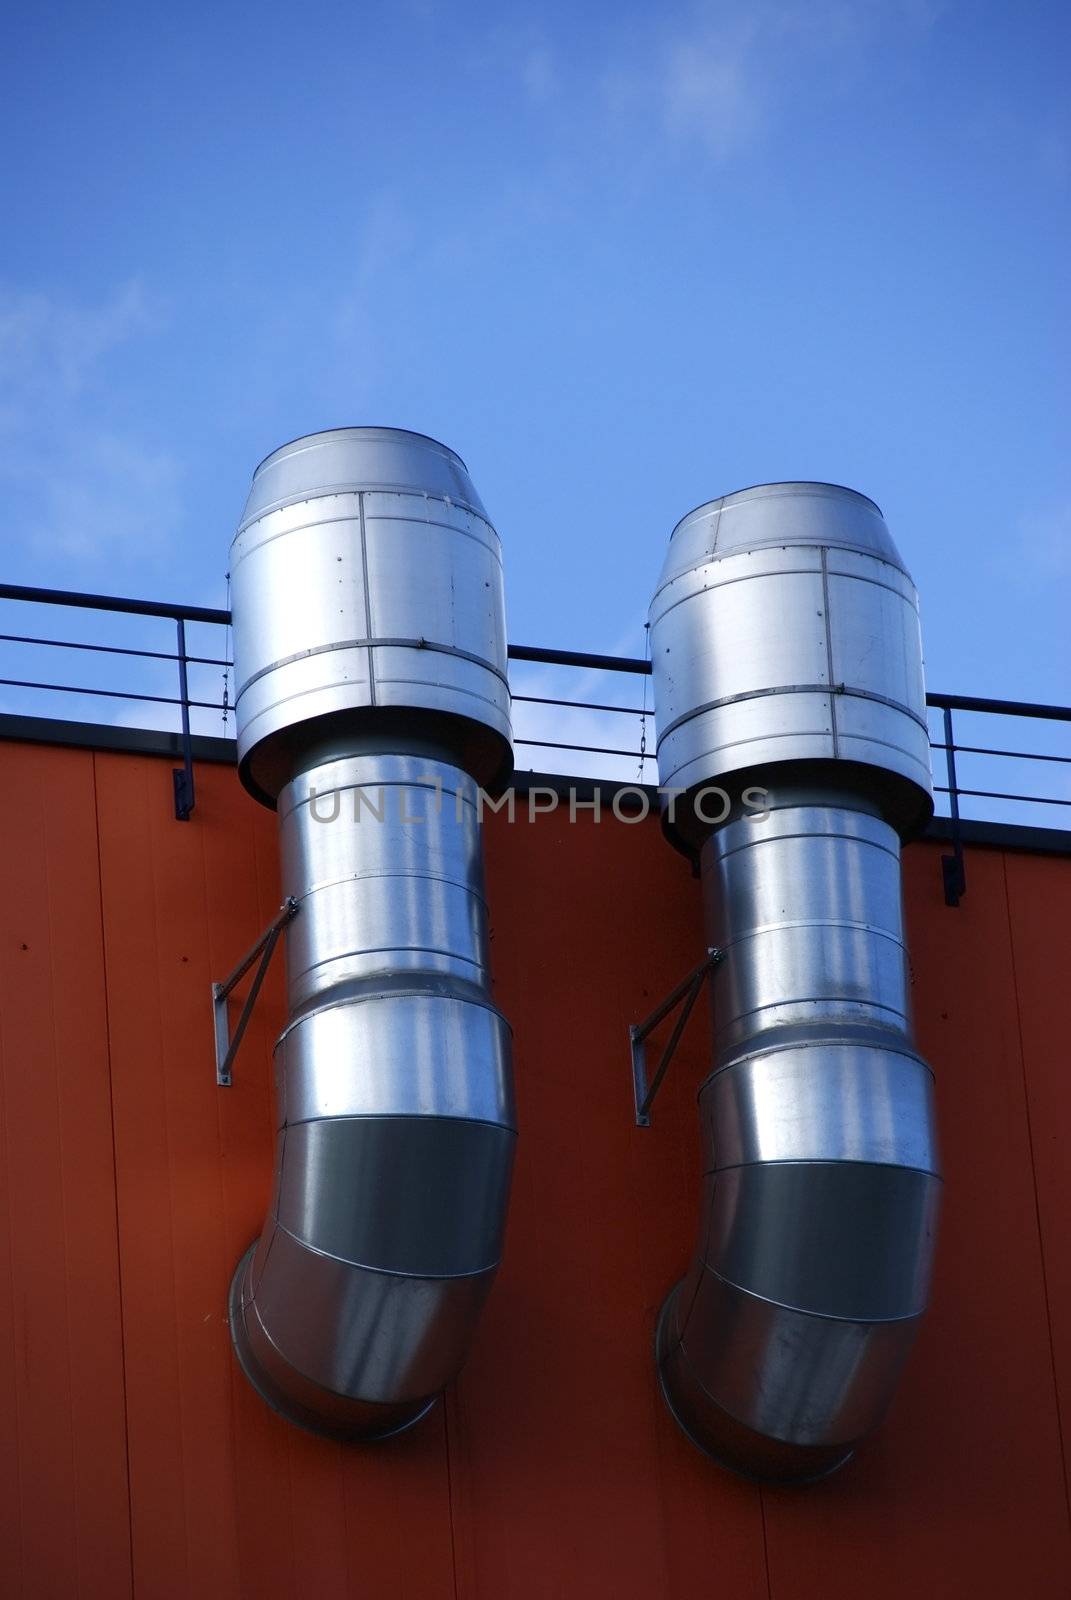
182, 777
953, 870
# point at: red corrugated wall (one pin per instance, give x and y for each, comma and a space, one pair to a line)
134, 1460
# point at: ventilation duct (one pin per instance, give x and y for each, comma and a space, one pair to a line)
370, 659
786, 654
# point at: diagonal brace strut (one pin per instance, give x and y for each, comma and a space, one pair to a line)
226, 1044
687, 991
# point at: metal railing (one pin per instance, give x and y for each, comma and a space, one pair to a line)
584, 725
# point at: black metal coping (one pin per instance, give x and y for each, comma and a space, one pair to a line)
223, 752
106, 736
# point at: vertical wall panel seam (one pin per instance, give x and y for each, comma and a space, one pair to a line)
233, 1419
450, 1496
347, 1542
765, 1542
221, 1216
292, 1540
232, 1397
264, 916
4, 1143
115, 1170
54, 988
1034, 1185
172, 1254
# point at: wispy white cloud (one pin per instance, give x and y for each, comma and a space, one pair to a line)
706, 79
711, 91
539, 71
50, 347
110, 494
523, 54
83, 485
702, 82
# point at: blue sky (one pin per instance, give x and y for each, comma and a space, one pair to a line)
623, 258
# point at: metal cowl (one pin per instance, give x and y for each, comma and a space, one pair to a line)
784, 628
786, 658
370, 646
367, 594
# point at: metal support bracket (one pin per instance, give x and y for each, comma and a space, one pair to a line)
226, 1043
684, 995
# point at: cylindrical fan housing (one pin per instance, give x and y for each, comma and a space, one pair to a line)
788, 673
370, 653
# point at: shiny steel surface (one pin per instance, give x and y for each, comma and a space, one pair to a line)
370, 842
854, 1100
394, 1095
781, 1348
366, 576
808, 902
784, 628
420, 1054
400, 1328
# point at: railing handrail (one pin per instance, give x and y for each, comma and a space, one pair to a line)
579, 658
517, 652
111, 602
1011, 708
953, 867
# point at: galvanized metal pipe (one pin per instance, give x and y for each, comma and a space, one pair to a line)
786, 657
370, 651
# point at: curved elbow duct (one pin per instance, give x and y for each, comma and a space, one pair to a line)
370, 657
787, 658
